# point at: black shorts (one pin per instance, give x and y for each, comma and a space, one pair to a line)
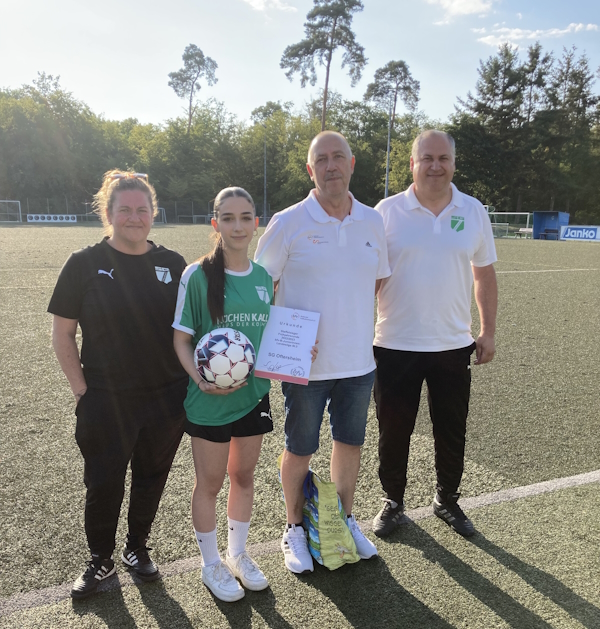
257, 422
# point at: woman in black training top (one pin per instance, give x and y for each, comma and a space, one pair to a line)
128, 384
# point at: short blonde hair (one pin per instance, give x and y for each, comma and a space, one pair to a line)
118, 181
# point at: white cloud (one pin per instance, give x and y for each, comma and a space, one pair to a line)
462, 7
263, 5
500, 35
520, 16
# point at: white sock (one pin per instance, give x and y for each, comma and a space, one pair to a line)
237, 537
207, 542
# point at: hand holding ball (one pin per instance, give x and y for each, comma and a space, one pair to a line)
224, 357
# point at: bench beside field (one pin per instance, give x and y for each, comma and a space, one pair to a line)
524, 231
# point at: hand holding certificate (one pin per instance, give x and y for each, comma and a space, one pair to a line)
285, 349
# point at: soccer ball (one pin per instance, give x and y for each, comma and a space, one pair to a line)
225, 357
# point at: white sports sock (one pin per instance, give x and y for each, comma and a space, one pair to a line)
237, 536
207, 542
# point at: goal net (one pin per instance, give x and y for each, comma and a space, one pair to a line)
511, 224
500, 230
161, 217
10, 212
195, 219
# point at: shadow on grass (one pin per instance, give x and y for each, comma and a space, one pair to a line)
367, 594
511, 611
240, 613
167, 612
113, 610
110, 607
549, 586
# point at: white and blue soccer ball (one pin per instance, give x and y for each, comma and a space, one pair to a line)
225, 357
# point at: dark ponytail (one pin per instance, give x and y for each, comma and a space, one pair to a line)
213, 264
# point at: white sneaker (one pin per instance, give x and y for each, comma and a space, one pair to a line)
295, 550
365, 547
221, 582
247, 571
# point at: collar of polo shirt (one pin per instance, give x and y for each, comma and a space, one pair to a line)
320, 215
413, 202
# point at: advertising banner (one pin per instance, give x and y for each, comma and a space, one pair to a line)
580, 232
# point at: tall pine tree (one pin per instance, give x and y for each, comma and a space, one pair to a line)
327, 28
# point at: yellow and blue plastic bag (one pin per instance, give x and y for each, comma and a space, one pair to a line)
330, 541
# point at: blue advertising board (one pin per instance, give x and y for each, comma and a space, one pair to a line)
580, 232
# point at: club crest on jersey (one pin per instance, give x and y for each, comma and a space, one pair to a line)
163, 274
263, 294
457, 223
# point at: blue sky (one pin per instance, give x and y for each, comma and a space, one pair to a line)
116, 56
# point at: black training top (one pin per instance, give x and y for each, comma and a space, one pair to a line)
125, 305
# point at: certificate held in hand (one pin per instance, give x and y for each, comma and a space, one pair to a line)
286, 343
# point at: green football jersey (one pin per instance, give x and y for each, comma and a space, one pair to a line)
248, 298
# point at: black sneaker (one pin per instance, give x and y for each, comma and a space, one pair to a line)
139, 561
391, 516
97, 570
449, 511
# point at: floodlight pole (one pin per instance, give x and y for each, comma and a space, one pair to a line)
265, 180
387, 164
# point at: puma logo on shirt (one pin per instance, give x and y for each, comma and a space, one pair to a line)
109, 273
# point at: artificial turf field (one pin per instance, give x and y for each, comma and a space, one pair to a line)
535, 561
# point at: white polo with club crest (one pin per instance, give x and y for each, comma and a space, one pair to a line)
425, 305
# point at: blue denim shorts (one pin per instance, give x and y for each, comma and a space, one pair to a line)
347, 401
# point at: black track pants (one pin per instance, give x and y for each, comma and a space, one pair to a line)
114, 428
397, 391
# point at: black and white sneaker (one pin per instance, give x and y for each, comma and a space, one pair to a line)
448, 510
391, 516
97, 570
139, 561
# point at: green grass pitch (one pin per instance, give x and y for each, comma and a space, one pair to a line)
534, 417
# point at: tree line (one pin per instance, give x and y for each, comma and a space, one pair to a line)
528, 138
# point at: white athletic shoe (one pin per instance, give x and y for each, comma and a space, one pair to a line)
365, 547
295, 550
247, 571
221, 582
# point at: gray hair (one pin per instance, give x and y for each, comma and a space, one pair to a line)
325, 133
426, 134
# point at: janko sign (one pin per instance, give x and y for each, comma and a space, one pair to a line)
580, 232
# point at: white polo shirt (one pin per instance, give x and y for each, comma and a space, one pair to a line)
425, 305
327, 266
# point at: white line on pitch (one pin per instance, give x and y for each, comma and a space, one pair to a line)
545, 271
57, 593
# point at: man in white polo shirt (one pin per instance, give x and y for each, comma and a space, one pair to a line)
440, 243
327, 254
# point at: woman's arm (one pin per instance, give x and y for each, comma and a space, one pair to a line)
185, 352
182, 341
65, 348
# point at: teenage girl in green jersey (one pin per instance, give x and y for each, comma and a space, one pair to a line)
225, 289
